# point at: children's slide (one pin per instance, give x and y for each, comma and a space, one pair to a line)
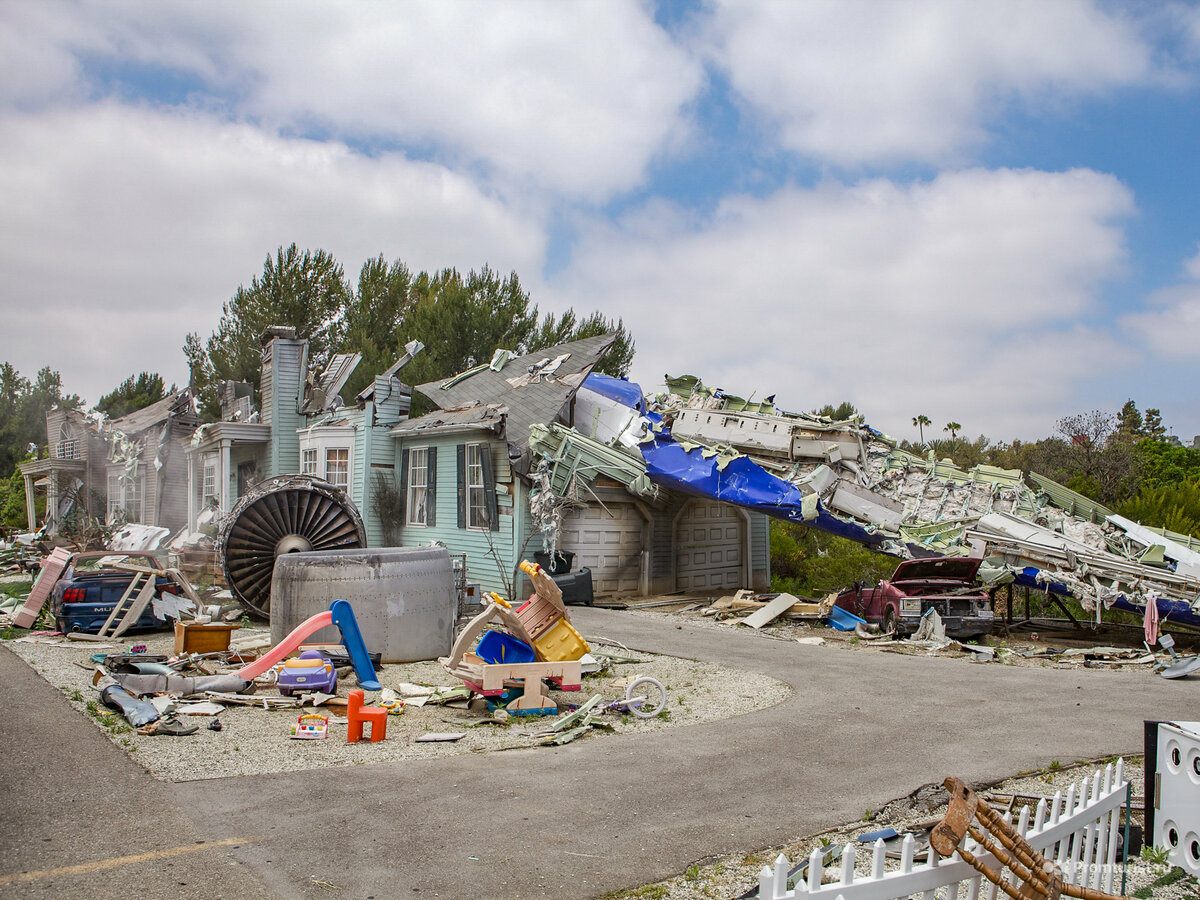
341, 614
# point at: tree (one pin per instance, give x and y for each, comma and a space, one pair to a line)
559, 330
954, 428
462, 321
134, 393
1172, 506
23, 408
306, 291
1152, 425
1129, 422
374, 317
840, 413
921, 421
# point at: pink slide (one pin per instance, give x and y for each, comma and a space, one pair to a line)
286, 646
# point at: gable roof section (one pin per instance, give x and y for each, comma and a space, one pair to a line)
531, 397
149, 416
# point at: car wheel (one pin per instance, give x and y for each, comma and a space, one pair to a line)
333, 684
889, 620
286, 692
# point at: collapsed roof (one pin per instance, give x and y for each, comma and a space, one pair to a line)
522, 391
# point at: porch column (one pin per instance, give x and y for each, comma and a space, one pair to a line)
225, 474
30, 503
191, 491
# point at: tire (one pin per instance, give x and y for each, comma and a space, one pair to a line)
890, 621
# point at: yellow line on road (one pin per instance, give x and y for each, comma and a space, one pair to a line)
102, 864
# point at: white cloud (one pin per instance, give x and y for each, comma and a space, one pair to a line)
571, 98
1169, 323
126, 228
959, 298
866, 82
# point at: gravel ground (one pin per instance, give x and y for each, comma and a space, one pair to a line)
255, 741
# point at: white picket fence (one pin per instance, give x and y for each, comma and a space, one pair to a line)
1083, 825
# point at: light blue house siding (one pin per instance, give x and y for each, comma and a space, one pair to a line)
491, 554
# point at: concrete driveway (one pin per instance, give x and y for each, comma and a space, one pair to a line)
862, 728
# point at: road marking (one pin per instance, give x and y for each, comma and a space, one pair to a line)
102, 864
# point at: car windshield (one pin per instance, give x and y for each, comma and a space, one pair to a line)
109, 562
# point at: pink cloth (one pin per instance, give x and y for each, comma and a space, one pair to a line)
1151, 620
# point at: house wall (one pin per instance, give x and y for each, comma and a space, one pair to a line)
479, 546
173, 482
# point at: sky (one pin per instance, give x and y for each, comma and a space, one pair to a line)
979, 212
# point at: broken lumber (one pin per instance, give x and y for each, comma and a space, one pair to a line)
771, 611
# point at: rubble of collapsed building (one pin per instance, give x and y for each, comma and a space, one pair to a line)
851, 480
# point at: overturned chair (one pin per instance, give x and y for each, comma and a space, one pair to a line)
1033, 876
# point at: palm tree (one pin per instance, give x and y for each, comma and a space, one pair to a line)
954, 428
921, 422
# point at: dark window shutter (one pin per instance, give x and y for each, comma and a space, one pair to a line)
489, 487
431, 489
462, 485
403, 487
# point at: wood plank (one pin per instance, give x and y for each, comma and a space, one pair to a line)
771, 611
52, 570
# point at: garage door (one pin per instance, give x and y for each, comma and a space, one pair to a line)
609, 545
708, 548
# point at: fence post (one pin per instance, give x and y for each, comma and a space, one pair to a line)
1125, 848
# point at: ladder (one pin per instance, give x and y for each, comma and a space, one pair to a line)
131, 605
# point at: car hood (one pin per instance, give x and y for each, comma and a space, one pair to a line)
943, 569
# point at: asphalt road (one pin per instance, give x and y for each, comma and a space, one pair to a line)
596, 815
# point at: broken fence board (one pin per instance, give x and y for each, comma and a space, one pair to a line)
52, 570
771, 611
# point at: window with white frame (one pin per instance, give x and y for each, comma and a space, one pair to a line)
418, 486
124, 498
114, 496
337, 466
326, 452
477, 512
133, 499
208, 489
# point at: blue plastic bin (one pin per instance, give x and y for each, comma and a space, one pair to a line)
498, 647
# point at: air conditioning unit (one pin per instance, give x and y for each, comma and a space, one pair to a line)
1177, 794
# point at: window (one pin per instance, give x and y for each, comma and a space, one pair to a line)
477, 506
337, 466
308, 462
133, 500
124, 498
418, 486
114, 497
208, 491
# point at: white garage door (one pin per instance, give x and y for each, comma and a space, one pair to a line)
609, 545
708, 548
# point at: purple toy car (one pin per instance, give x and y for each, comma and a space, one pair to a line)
309, 672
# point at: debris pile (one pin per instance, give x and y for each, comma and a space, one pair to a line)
848, 479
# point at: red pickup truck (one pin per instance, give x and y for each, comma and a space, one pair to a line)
917, 585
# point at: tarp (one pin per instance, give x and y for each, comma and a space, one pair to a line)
743, 482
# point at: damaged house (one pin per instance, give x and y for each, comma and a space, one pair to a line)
507, 433
303, 426
530, 451
131, 469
